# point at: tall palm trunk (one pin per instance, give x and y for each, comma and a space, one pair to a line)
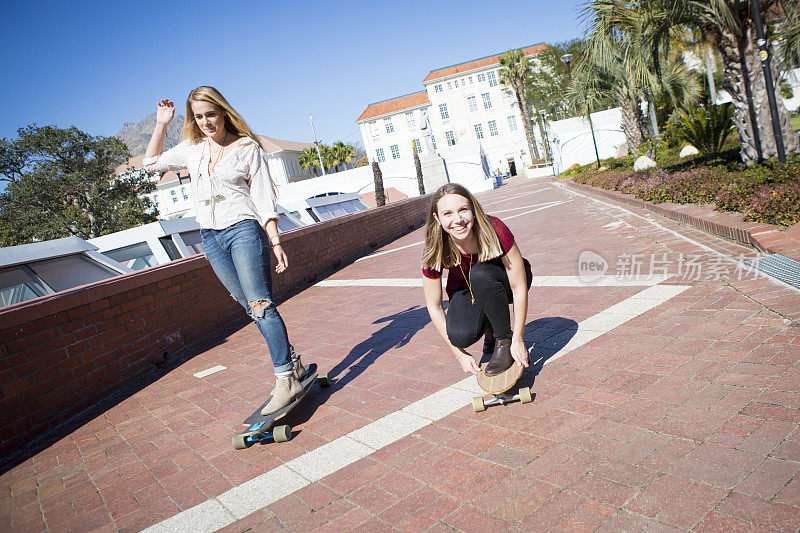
380, 196
543, 135
744, 80
632, 120
526, 123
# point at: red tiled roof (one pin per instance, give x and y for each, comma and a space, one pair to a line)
394, 105
478, 63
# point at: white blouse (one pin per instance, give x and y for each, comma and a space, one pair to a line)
238, 188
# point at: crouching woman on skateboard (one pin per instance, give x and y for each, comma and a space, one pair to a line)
486, 273
234, 202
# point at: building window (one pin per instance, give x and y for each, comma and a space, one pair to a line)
443, 111
479, 131
373, 127
379, 154
388, 123
470, 80
174, 195
417, 146
449, 85
481, 77
512, 123
473, 105
395, 151
155, 200
433, 142
493, 128
437, 88
451, 139
183, 192
410, 119
487, 102
492, 78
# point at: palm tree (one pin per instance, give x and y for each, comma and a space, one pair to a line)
515, 73
616, 63
343, 153
730, 24
308, 160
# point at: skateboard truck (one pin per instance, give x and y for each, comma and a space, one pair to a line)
497, 385
261, 428
479, 403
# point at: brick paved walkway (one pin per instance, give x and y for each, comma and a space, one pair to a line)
670, 403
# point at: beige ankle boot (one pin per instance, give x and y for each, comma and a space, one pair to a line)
299, 370
286, 389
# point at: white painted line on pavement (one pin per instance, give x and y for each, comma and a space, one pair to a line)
269, 487
209, 371
538, 281
534, 210
736, 262
388, 251
385, 282
547, 204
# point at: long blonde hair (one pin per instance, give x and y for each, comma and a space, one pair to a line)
234, 122
440, 251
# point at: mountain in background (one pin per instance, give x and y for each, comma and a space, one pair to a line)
136, 136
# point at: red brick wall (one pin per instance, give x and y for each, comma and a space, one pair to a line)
64, 352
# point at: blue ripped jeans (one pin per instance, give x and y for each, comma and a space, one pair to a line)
240, 257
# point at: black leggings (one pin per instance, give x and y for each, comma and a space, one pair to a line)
466, 323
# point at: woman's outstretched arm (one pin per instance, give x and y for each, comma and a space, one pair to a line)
164, 114
433, 300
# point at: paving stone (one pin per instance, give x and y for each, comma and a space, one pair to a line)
647, 426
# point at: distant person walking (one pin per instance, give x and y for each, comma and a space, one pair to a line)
234, 205
486, 273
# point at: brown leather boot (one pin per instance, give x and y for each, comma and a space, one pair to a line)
501, 359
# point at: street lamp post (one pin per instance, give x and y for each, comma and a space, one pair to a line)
316, 143
765, 66
567, 58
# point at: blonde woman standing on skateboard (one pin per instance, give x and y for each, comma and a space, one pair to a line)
236, 208
486, 273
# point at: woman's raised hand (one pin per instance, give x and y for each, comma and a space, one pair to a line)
165, 111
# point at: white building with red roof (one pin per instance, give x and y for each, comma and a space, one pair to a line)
466, 109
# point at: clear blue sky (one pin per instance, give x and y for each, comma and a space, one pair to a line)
97, 65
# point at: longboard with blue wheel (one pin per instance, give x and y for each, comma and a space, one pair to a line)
262, 427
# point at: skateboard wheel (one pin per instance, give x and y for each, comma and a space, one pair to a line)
478, 405
239, 443
282, 433
324, 380
525, 395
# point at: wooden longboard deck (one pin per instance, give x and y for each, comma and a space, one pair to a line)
266, 421
502, 382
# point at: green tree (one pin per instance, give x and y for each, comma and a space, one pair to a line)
729, 23
343, 154
617, 64
61, 182
548, 82
308, 160
516, 73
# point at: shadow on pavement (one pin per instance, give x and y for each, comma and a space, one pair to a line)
398, 332
545, 337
